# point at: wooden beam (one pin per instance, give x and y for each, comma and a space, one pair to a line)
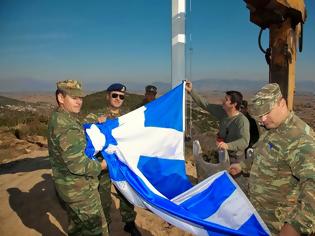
283, 41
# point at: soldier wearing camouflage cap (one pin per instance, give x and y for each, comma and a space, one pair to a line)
115, 97
264, 100
71, 87
282, 175
151, 89
149, 96
75, 176
150, 93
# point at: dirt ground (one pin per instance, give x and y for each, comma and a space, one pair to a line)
29, 205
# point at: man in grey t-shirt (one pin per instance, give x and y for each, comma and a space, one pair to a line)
233, 132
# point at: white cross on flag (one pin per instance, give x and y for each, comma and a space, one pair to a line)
144, 151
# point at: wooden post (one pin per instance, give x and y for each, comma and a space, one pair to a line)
283, 41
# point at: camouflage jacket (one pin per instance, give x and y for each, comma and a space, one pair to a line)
108, 113
144, 102
74, 174
282, 176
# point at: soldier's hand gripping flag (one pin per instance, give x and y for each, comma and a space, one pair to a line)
144, 151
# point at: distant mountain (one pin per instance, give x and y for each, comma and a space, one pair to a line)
224, 85
139, 87
305, 86
162, 86
38, 85
26, 85
204, 85
245, 85
10, 101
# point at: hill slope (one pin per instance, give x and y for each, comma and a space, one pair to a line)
10, 101
96, 102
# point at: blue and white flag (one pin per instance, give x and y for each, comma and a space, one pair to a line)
144, 151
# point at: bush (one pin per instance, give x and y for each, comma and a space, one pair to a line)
35, 128
23, 123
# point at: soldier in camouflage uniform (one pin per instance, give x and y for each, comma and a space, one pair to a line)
149, 96
282, 175
74, 175
115, 98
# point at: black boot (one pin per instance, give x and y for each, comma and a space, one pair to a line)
131, 228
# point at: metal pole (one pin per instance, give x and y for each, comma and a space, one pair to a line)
178, 41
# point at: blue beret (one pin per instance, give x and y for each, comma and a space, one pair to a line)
116, 87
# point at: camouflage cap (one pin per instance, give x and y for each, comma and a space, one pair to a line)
264, 100
71, 87
150, 89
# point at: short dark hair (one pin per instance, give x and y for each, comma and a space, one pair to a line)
244, 104
59, 91
236, 97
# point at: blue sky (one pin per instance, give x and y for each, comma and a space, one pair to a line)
108, 41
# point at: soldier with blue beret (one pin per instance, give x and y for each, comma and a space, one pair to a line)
115, 97
116, 87
282, 175
75, 175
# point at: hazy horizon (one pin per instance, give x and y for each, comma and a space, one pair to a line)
138, 87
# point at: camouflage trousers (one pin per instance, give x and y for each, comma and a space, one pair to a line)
275, 219
269, 217
87, 217
126, 208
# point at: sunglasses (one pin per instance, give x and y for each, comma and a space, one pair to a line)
116, 95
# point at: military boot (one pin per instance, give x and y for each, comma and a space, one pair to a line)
131, 228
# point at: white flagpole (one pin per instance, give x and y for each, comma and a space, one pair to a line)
178, 41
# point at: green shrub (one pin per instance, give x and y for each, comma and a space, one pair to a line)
23, 123
35, 128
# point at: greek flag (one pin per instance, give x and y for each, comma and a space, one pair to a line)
144, 151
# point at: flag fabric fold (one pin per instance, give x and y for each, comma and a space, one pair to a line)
144, 151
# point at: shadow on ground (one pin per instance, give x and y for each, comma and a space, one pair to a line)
25, 165
38, 207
